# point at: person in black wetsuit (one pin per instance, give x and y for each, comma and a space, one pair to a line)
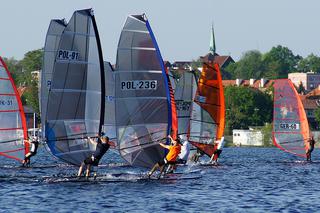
93, 160
32, 151
311, 142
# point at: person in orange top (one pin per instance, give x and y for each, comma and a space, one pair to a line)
174, 151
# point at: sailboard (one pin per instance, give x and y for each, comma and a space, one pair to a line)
184, 95
76, 96
207, 120
53, 36
13, 127
144, 114
290, 124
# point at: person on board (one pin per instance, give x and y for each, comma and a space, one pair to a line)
170, 159
32, 151
196, 156
93, 160
185, 151
311, 142
219, 144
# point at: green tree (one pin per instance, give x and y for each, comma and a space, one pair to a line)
310, 63
280, 61
317, 115
246, 107
249, 66
32, 61
267, 134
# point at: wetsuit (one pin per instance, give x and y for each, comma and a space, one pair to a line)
311, 147
101, 149
33, 151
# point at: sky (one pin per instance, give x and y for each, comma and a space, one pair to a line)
181, 27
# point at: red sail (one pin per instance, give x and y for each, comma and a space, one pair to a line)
208, 110
290, 124
13, 128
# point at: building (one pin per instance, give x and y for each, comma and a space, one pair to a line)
309, 80
311, 102
247, 137
260, 84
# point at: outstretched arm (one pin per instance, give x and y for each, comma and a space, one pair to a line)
164, 145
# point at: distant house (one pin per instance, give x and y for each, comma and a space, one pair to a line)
309, 80
223, 61
247, 137
260, 84
182, 65
311, 102
30, 113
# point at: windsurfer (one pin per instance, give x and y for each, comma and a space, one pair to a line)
32, 151
93, 160
219, 144
171, 157
185, 151
311, 142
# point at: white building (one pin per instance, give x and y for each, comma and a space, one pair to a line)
309, 80
247, 137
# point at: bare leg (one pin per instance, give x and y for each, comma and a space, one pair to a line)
88, 170
81, 169
156, 166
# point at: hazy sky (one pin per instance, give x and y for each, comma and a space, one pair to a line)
182, 27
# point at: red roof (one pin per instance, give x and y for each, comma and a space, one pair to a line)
314, 93
256, 83
309, 103
221, 60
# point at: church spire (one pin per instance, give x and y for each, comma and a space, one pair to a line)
212, 48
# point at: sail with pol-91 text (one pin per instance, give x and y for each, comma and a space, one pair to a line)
76, 98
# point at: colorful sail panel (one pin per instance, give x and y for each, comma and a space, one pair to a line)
109, 126
13, 127
208, 110
77, 94
55, 30
290, 124
184, 95
143, 102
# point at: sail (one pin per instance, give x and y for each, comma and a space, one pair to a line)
184, 94
13, 127
76, 98
143, 102
208, 110
290, 124
55, 30
109, 126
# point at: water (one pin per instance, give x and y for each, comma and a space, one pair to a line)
248, 180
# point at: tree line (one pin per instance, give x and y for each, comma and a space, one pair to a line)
274, 64
245, 106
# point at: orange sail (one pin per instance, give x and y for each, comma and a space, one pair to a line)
290, 124
208, 110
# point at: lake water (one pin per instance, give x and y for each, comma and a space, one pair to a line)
247, 180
